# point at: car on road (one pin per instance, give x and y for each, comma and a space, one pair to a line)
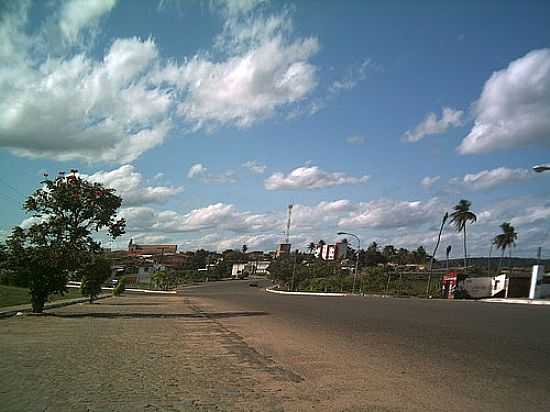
253, 284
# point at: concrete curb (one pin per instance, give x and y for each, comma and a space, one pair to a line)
517, 301
273, 290
150, 291
11, 311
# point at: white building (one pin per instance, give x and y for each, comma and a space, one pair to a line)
256, 267
331, 252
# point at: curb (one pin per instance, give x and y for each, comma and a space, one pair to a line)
272, 290
517, 301
149, 291
53, 305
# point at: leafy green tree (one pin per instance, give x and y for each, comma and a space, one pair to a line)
66, 210
389, 253
459, 219
161, 280
120, 286
421, 255
506, 240
94, 274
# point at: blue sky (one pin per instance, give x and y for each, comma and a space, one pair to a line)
210, 117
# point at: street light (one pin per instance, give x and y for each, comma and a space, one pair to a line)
541, 168
356, 257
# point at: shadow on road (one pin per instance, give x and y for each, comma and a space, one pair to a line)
112, 315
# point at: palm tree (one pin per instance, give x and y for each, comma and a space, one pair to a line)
506, 240
459, 218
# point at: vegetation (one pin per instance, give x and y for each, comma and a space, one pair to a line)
120, 286
162, 280
94, 274
66, 211
459, 219
13, 295
506, 240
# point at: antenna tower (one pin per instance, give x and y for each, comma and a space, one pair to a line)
287, 233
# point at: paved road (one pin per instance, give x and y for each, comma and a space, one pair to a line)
392, 354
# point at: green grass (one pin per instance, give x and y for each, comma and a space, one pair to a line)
11, 296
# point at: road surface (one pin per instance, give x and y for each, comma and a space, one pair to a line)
394, 354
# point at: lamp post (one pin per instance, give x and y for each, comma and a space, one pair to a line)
434, 252
356, 257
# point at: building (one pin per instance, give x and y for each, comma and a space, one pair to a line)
242, 270
135, 249
283, 249
332, 252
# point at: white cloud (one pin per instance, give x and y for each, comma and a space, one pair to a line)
355, 140
265, 71
432, 125
352, 76
401, 223
428, 181
255, 167
77, 14
514, 107
199, 171
129, 185
126, 102
235, 8
536, 214
107, 114
310, 177
488, 179
393, 214
196, 170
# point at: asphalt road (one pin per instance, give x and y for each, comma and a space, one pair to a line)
392, 354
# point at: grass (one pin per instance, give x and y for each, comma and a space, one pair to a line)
11, 296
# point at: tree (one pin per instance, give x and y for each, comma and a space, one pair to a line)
389, 252
161, 280
67, 210
459, 218
94, 274
506, 239
244, 249
421, 255
311, 247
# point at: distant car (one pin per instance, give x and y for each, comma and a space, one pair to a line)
253, 284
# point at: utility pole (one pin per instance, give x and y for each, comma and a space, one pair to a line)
445, 217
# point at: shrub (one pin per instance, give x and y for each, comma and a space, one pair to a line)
94, 274
120, 287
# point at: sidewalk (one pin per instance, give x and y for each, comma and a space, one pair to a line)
13, 310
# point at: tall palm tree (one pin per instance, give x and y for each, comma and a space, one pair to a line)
506, 240
459, 218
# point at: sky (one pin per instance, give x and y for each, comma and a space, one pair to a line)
210, 117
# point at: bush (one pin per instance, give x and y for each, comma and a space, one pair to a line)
120, 287
94, 275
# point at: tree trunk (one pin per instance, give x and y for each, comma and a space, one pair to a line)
465, 250
500, 261
37, 303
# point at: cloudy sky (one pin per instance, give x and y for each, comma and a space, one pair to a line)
210, 117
